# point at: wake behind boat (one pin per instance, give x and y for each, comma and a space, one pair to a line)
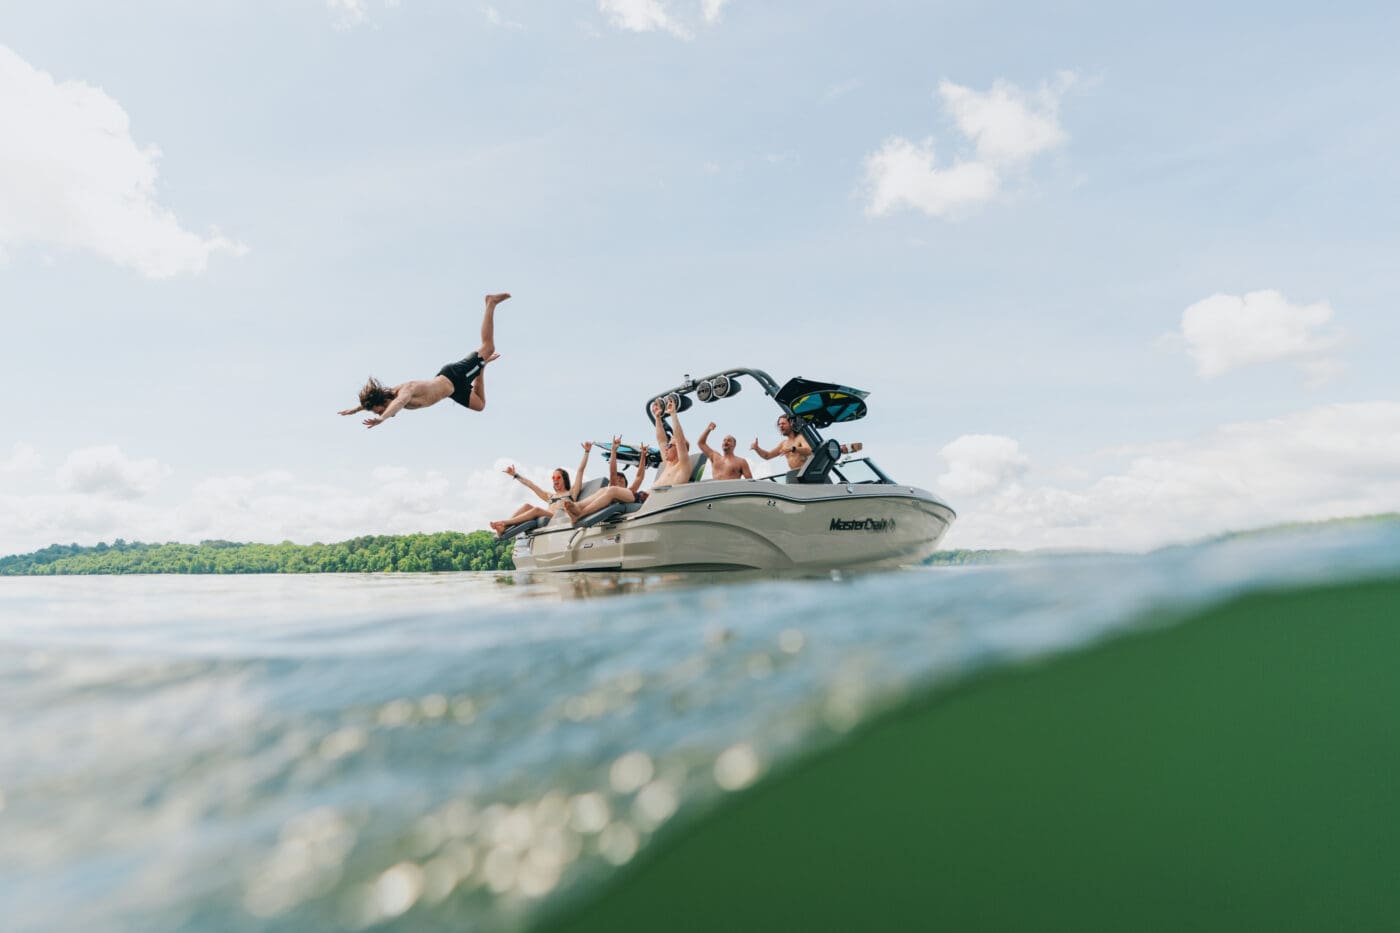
830, 513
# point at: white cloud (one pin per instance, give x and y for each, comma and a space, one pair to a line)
352, 13
349, 13
100, 501
713, 10
1225, 332
642, 16
980, 463
903, 174
1325, 462
1006, 127
106, 471
22, 459
1005, 124
656, 15
494, 17
75, 179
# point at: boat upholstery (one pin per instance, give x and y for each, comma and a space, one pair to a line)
614, 511
520, 528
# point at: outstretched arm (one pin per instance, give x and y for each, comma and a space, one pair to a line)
582, 465
353, 411
510, 471
676, 433
612, 460
765, 454
704, 447
661, 438
402, 395
641, 472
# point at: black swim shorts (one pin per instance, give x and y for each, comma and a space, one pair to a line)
462, 374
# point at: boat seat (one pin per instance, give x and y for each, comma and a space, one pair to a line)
697, 467
520, 528
590, 487
612, 512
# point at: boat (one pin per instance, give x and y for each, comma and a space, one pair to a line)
831, 513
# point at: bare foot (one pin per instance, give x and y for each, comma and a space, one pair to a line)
572, 508
498, 527
493, 300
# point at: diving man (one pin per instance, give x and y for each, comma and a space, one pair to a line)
462, 381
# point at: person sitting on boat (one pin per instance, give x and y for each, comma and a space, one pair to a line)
462, 381
617, 489
675, 450
564, 494
675, 465
725, 465
794, 446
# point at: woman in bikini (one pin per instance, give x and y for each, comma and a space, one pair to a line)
563, 492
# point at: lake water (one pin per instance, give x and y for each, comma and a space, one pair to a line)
465, 751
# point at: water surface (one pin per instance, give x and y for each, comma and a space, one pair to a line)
466, 750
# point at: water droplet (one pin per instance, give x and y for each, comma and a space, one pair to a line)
618, 843
736, 767
590, 813
655, 803
397, 889
396, 713
630, 772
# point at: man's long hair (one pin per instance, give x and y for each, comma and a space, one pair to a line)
374, 393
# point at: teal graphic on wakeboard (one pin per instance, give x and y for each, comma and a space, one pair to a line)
627, 454
822, 403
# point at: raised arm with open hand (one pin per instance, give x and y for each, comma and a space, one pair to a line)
641, 470
661, 438
510, 471
612, 460
678, 438
582, 464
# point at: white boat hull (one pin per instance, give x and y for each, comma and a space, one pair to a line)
750, 524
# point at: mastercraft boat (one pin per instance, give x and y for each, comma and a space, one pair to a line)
830, 513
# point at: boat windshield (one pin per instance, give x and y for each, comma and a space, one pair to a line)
859, 470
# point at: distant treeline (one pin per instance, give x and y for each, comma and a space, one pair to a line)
447, 550
963, 556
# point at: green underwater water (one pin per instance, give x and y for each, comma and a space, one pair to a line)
1236, 770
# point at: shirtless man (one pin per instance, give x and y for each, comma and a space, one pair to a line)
727, 465
793, 445
462, 381
675, 450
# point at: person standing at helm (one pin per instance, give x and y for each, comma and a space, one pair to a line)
793, 446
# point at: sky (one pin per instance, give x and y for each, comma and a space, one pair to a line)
1115, 275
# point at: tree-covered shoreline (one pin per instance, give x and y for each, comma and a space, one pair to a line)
417, 553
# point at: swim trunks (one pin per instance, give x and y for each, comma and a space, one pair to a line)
641, 497
462, 374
